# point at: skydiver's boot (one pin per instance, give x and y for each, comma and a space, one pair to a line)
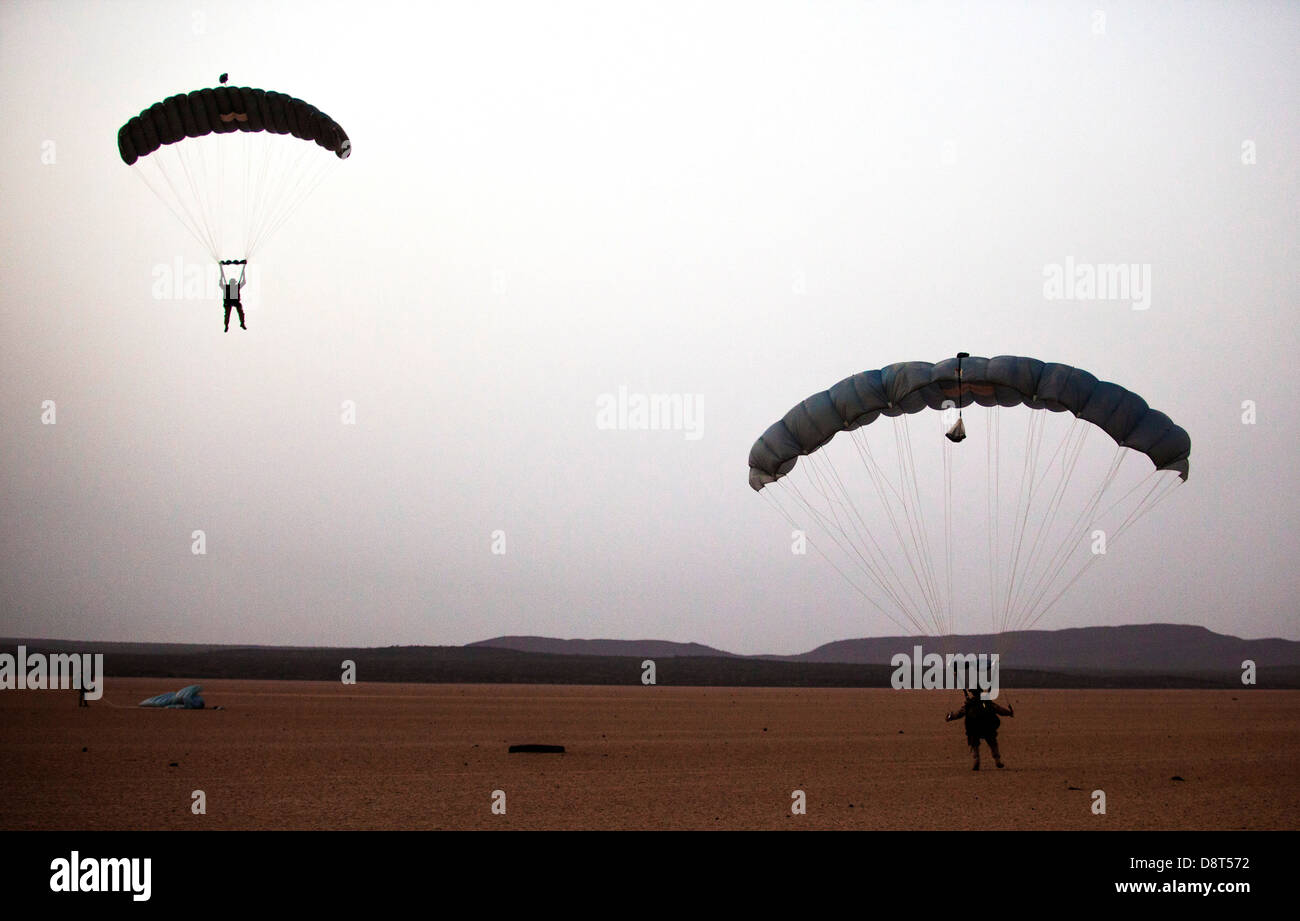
997, 757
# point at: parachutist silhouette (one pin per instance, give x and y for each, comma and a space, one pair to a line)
982, 722
230, 288
225, 77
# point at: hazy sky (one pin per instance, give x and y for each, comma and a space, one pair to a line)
550, 201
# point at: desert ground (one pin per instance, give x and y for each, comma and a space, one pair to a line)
308, 755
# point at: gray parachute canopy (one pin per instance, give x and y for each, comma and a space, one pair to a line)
1007, 380
187, 698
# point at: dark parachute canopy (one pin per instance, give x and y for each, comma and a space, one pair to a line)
906, 520
1007, 380
229, 163
225, 109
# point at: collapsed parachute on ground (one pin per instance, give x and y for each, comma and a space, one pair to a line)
1036, 550
230, 162
186, 698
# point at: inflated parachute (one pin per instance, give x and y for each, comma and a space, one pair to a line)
915, 522
232, 163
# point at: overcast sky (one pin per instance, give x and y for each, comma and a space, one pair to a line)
548, 202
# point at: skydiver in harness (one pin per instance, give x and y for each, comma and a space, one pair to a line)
982, 722
230, 288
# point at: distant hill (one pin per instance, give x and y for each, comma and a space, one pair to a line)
652, 648
1141, 647
1154, 655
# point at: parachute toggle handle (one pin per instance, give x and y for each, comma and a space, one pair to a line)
958, 432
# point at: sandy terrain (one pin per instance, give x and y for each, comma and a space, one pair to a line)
317, 755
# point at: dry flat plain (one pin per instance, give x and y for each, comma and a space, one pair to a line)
306, 755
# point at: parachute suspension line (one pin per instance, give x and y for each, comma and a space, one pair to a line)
1025, 497
279, 196
306, 184
878, 565
262, 183
880, 480
897, 587
997, 563
1069, 541
819, 482
240, 203
209, 195
1138, 511
259, 180
288, 197
918, 557
215, 205
248, 202
1062, 446
1018, 571
265, 167
192, 160
188, 163
172, 168
946, 446
1110, 508
872, 569
1141, 510
775, 502
180, 168
912, 509
1019, 578
993, 455
1171, 483
254, 167
186, 219
1069, 449
869, 461
951, 437
214, 202
291, 196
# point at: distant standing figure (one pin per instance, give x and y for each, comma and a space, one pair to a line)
982, 722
